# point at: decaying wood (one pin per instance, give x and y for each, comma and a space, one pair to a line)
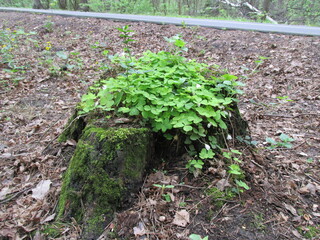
250, 7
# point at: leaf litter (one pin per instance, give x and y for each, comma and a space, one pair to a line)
281, 74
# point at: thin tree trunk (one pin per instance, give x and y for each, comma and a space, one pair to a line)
179, 7
37, 4
83, 6
266, 5
62, 4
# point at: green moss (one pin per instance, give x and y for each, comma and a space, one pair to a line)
310, 232
53, 230
105, 167
219, 197
73, 128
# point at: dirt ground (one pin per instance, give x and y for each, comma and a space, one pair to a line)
282, 77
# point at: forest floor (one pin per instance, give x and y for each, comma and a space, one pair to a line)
52, 68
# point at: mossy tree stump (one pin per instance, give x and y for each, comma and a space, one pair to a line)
107, 166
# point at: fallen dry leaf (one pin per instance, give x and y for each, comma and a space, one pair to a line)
291, 209
181, 218
4, 192
48, 219
40, 191
222, 184
139, 230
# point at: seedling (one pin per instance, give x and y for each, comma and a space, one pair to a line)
237, 174
163, 187
285, 98
167, 197
195, 166
48, 26
285, 142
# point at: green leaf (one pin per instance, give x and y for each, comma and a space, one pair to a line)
197, 237
179, 43
124, 109
236, 151
285, 138
222, 124
62, 55
206, 154
187, 128
89, 96
287, 145
235, 169
134, 111
242, 184
270, 140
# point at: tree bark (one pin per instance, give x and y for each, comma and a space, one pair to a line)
266, 6
83, 6
37, 4
63, 4
107, 167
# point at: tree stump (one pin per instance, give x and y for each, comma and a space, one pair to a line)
107, 167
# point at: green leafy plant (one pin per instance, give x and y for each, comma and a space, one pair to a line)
310, 232
232, 155
197, 237
10, 44
162, 188
285, 98
48, 26
247, 140
258, 221
178, 44
258, 63
285, 142
10, 41
194, 166
219, 197
167, 197
237, 174
171, 94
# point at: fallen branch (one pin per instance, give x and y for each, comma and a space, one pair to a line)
14, 195
250, 7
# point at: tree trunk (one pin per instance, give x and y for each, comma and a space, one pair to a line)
179, 7
266, 6
37, 4
63, 4
83, 6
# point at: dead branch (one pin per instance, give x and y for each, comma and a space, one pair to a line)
250, 7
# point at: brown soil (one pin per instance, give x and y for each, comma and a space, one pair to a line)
285, 182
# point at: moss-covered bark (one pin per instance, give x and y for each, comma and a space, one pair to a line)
73, 129
108, 165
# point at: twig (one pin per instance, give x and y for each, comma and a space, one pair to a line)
290, 116
188, 186
50, 128
221, 209
62, 131
313, 179
16, 194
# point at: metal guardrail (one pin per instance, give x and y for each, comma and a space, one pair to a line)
219, 24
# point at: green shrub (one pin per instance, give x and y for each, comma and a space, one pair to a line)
171, 94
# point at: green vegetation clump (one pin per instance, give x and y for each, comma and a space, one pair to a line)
310, 232
186, 101
171, 94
